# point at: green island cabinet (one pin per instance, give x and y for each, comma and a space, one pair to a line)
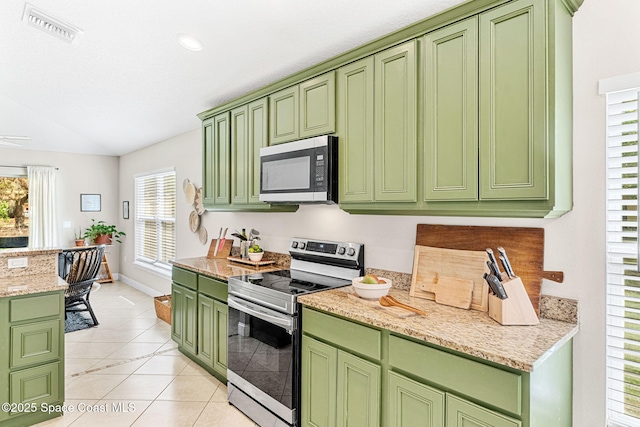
31, 357
303, 110
199, 319
358, 375
465, 113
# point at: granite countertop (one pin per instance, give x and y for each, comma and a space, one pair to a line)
221, 268
467, 331
11, 252
31, 284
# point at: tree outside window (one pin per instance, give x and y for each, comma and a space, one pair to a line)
14, 212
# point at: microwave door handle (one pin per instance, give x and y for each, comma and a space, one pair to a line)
285, 323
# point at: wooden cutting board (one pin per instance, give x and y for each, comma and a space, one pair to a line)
451, 276
524, 246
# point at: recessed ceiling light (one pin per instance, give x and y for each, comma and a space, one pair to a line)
189, 42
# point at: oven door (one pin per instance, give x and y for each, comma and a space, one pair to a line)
262, 361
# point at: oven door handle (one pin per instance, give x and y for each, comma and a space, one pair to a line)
245, 308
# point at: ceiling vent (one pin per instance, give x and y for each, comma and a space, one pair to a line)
50, 25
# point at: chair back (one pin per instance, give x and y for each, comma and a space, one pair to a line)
81, 264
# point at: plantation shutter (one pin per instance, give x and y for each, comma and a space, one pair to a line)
156, 218
623, 279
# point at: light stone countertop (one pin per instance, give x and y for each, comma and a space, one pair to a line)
467, 331
31, 284
221, 268
12, 252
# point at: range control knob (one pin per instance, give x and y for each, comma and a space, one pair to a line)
351, 252
341, 251
294, 244
301, 245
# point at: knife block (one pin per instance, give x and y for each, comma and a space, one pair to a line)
516, 309
223, 252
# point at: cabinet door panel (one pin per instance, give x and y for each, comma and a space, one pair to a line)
208, 163
221, 147
283, 113
358, 391
177, 313
258, 138
221, 313
239, 147
318, 106
395, 124
319, 368
355, 130
461, 413
451, 109
513, 134
415, 404
35, 343
206, 326
190, 331
36, 385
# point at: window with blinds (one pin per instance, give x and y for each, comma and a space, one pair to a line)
623, 278
156, 218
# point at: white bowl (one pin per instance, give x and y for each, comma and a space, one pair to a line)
371, 291
255, 256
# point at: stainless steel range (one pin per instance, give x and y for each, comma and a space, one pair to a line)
263, 352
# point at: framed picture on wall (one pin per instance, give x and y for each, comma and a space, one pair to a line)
90, 203
125, 209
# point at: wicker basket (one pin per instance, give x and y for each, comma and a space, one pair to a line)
163, 307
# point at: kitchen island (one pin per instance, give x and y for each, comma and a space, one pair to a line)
451, 366
32, 336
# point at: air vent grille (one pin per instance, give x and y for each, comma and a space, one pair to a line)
50, 25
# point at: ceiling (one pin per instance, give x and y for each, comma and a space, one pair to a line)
125, 82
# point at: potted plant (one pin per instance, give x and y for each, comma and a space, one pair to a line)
79, 238
100, 233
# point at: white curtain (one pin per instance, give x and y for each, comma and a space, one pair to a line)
43, 230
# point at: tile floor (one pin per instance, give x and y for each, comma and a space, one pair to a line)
128, 372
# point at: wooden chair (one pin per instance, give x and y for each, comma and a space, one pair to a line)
79, 268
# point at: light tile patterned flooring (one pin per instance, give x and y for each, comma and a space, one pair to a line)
130, 359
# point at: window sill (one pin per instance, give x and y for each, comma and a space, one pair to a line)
158, 271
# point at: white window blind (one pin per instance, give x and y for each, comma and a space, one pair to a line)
156, 218
623, 279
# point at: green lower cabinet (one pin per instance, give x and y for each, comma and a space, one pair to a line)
461, 413
220, 335
319, 370
414, 404
35, 385
206, 326
184, 319
358, 392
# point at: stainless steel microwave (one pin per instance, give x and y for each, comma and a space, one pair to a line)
304, 171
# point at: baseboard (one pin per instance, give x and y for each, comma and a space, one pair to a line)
139, 286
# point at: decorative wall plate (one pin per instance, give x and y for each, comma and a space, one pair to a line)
194, 221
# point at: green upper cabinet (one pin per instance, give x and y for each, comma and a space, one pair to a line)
355, 130
207, 162
304, 110
318, 106
451, 112
239, 155
395, 132
283, 107
258, 138
219, 165
513, 125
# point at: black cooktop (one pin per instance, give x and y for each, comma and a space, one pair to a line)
294, 282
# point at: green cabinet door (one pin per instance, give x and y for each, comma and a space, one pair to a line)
318, 105
513, 120
358, 393
34, 343
451, 112
177, 313
220, 335
206, 326
190, 330
239, 155
258, 138
221, 162
319, 368
415, 404
395, 137
283, 113
37, 385
461, 413
208, 165
355, 130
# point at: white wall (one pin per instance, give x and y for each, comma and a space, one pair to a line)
605, 43
77, 174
